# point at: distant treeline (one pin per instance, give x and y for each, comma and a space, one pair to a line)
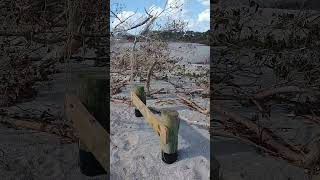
187, 36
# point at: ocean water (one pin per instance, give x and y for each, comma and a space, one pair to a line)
193, 53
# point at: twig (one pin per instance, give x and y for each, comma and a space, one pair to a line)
44, 127
157, 91
123, 101
193, 105
282, 90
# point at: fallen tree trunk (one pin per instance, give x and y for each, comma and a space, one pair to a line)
282, 90
307, 158
267, 137
42, 127
194, 105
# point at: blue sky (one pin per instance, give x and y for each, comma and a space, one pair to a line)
194, 12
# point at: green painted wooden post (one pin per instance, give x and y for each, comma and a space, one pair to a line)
170, 119
93, 94
139, 90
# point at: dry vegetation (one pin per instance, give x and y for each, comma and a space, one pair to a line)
264, 58
38, 38
149, 56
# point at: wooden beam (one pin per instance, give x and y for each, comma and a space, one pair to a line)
151, 118
92, 134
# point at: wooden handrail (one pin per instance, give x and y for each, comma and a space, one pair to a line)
154, 122
91, 133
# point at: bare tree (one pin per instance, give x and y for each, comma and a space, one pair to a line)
152, 48
36, 35
259, 65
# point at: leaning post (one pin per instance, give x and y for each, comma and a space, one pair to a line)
170, 119
93, 95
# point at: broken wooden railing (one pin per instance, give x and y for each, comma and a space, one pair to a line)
88, 112
167, 127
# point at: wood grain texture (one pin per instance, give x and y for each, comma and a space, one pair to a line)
170, 119
91, 133
151, 118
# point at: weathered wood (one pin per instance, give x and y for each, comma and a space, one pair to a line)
282, 90
150, 71
139, 91
93, 94
66, 132
151, 118
267, 137
169, 118
194, 106
91, 133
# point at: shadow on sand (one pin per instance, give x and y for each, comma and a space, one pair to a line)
199, 145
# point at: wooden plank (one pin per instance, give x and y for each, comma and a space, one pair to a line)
151, 118
91, 92
91, 133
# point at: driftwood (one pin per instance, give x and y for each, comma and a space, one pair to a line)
122, 101
60, 31
165, 101
240, 79
306, 158
267, 137
226, 134
159, 91
282, 90
63, 131
193, 105
116, 86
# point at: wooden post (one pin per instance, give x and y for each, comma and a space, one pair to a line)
153, 121
91, 133
169, 118
139, 91
93, 94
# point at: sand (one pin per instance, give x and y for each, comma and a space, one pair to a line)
28, 155
242, 161
32, 155
135, 149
